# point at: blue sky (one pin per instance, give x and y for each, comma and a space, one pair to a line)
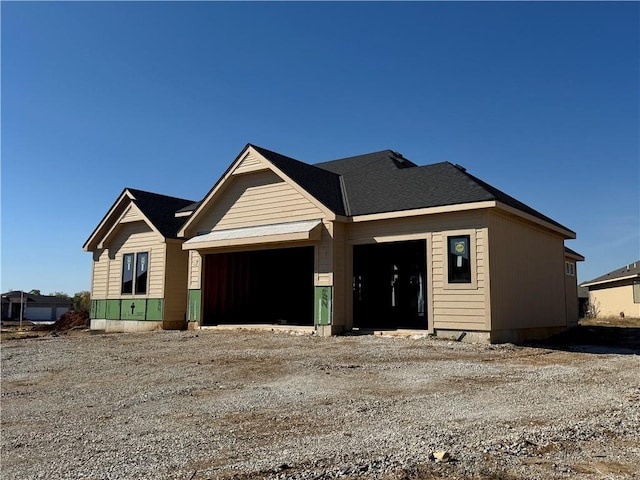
539, 99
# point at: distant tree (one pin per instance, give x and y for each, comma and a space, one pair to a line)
35, 291
61, 295
82, 301
592, 309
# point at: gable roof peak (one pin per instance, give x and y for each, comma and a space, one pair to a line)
322, 184
159, 210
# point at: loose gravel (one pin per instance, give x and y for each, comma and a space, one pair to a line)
241, 404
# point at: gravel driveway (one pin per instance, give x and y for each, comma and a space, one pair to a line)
240, 404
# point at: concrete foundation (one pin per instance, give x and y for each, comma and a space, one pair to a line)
121, 326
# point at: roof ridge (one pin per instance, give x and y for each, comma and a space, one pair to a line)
345, 198
145, 192
291, 158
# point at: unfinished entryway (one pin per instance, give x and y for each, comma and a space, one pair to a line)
264, 286
389, 285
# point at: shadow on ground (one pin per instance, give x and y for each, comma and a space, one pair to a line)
598, 339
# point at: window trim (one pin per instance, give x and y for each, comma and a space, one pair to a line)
569, 268
134, 281
146, 274
473, 261
122, 272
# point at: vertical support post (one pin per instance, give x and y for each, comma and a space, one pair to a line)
21, 308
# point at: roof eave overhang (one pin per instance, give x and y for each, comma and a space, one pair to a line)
214, 190
575, 256
460, 207
94, 238
568, 234
610, 280
119, 222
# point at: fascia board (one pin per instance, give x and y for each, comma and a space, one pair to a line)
220, 185
568, 234
610, 280
213, 192
460, 207
107, 219
116, 226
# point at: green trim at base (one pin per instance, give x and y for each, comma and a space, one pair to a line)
130, 309
194, 305
323, 305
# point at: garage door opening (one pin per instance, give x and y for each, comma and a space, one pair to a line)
389, 285
259, 287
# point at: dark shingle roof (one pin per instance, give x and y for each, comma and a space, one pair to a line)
567, 250
189, 208
161, 210
622, 272
32, 297
385, 182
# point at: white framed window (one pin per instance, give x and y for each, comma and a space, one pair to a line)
570, 268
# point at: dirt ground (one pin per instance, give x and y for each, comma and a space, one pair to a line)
243, 405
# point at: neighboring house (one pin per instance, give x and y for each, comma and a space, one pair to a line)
370, 242
616, 293
575, 308
47, 308
583, 301
139, 278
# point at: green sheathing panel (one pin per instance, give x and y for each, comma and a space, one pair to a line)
112, 310
143, 309
133, 309
323, 304
102, 309
98, 309
195, 296
154, 309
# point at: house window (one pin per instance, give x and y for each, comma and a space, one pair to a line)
142, 265
570, 268
135, 269
636, 291
127, 273
459, 259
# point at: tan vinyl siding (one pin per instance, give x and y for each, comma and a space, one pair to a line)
341, 282
175, 292
259, 198
527, 275
195, 270
133, 238
324, 257
571, 295
250, 163
407, 226
133, 214
100, 275
613, 298
464, 308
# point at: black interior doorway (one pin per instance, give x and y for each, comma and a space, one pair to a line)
263, 286
389, 285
